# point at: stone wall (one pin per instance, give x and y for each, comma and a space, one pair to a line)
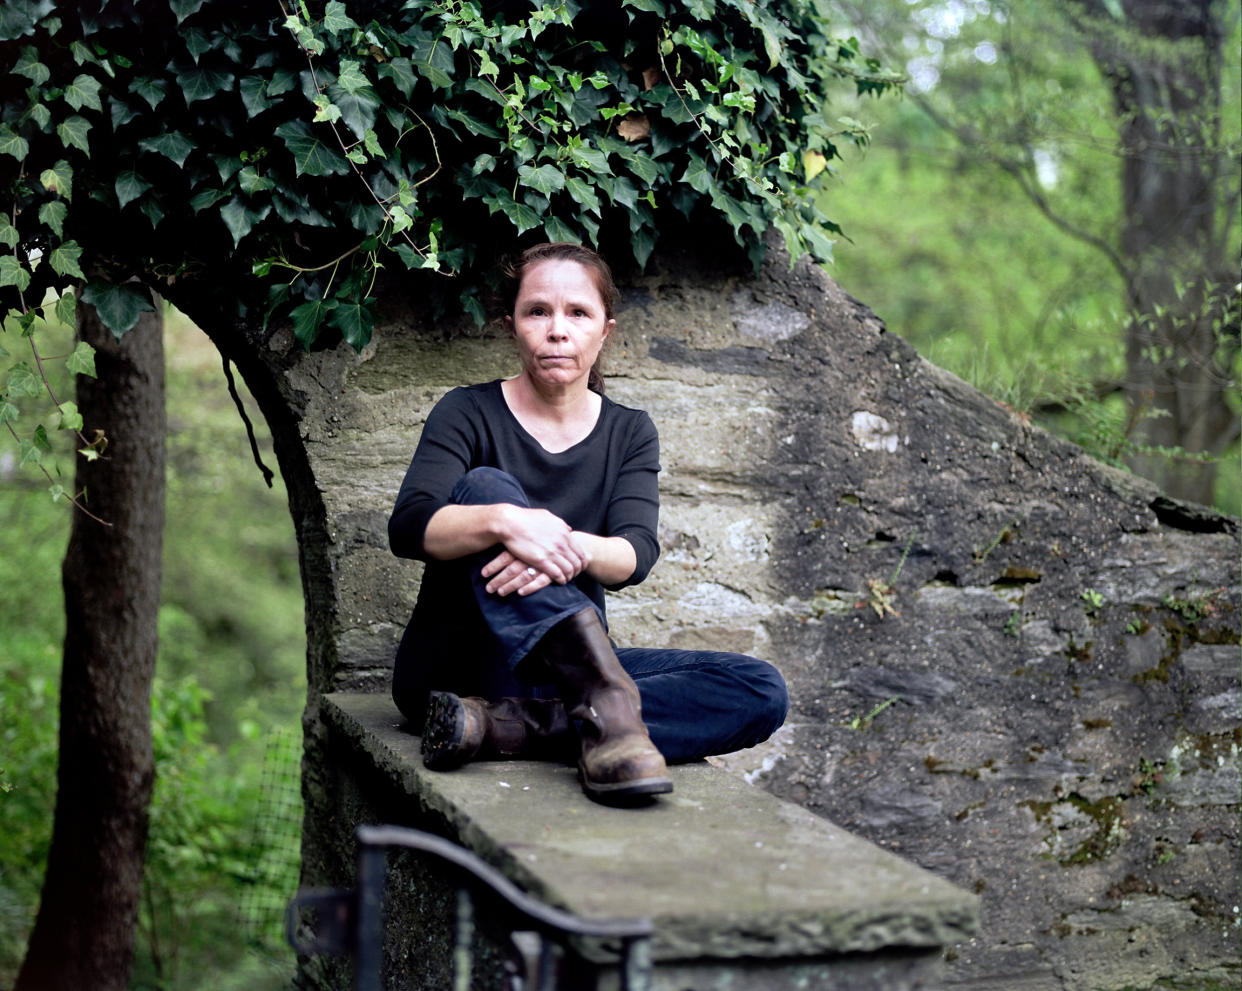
1057, 643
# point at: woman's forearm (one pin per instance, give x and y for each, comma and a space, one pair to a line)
532, 538
611, 559
455, 531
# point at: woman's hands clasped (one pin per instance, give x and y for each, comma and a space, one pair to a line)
540, 548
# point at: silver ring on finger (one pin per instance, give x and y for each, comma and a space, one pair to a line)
532, 572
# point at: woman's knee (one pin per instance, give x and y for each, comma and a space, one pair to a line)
486, 486
772, 698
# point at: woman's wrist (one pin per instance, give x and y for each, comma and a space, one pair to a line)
610, 560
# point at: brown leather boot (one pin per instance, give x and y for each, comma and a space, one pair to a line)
618, 763
459, 730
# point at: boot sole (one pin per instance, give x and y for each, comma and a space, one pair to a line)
444, 732
635, 792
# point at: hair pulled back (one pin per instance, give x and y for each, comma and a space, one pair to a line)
514, 270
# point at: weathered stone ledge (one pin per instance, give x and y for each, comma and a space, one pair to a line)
726, 871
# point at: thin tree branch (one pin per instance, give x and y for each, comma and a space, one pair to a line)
241, 411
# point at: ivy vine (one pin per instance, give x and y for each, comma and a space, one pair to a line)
287, 156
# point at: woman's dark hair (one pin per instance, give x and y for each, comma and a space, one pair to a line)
514, 271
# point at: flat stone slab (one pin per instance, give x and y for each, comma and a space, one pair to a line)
723, 869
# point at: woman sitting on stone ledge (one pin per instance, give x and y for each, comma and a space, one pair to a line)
526, 498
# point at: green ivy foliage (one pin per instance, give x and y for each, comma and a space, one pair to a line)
285, 154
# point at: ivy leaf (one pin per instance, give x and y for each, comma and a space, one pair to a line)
819, 243
70, 418
129, 186
83, 92
325, 110
121, 112
473, 124
151, 90
351, 78
252, 182
308, 317
358, 107
582, 193
72, 133
556, 229
409, 257
184, 8
66, 313
226, 166
28, 65
434, 74
236, 219
12, 273
206, 198
310, 155
58, 179
53, 213
203, 84
486, 66
373, 146
30, 452
592, 158
401, 221
335, 20
151, 209
697, 176
733, 211
17, 19
813, 163
173, 145
12, 143
8, 233
771, 44
197, 41
649, 6
281, 82
523, 217
82, 54
401, 72
547, 179
119, 307
643, 241
254, 94
355, 323
23, 382
8, 412
643, 167
29, 322
64, 260
621, 191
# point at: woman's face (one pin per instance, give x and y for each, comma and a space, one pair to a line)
559, 322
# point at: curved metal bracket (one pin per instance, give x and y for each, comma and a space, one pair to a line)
351, 921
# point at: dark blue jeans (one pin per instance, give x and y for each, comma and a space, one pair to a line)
695, 702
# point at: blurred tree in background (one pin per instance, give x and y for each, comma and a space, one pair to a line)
1053, 214
230, 682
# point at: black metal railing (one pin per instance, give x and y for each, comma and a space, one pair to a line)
540, 943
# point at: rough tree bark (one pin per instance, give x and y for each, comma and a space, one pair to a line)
84, 933
1164, 65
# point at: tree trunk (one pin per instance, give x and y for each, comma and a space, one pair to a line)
1164, 65
83, 937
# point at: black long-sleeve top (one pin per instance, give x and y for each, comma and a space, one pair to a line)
606, 484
